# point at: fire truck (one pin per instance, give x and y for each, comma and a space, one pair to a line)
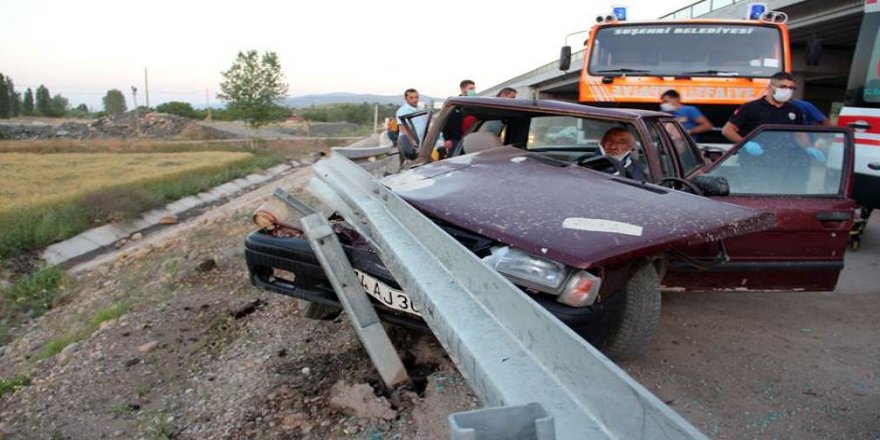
716, 65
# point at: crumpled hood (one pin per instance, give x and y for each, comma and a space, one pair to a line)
576, 216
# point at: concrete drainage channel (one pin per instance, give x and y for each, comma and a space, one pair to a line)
96, 240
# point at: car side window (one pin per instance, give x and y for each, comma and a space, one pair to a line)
786, 163
667, 163
690, 159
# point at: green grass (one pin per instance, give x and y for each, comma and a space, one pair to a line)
35, 228
28, 297
55, 346
13, 383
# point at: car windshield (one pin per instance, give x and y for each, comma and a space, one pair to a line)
712, 50
568, 132
789, 162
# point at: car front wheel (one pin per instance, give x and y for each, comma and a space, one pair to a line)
639, 315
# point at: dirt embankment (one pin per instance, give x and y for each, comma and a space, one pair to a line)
200, 353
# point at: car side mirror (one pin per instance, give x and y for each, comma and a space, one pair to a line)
565, 58
712, 153
712, 185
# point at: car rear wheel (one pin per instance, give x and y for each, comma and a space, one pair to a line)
639, 315
321, 312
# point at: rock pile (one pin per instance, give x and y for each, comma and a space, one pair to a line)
152, 125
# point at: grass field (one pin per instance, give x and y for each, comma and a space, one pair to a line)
33, 180
54, 189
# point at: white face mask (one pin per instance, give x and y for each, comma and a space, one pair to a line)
782, 95
668, 107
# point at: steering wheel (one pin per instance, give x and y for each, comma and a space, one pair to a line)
682, 182
588, 160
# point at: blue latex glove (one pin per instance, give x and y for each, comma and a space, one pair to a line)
753, 148
816, 154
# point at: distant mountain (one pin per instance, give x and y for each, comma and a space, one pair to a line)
348, 98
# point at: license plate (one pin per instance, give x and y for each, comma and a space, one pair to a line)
393, 298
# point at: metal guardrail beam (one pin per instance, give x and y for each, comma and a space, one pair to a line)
362, 152
510, 349
360, 312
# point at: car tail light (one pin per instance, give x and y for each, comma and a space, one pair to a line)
581, 290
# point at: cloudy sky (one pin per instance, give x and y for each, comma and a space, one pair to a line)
83, 48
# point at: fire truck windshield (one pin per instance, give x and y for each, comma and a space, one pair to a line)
694, 49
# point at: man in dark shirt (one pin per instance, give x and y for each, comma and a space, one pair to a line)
789, 155
455, 124
774, 108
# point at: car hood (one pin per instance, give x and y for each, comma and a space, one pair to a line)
579, 217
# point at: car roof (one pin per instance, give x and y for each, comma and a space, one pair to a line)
552, 106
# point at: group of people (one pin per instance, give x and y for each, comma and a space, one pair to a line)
775, 107
456, 126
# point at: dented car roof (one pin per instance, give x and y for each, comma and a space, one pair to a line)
579, 217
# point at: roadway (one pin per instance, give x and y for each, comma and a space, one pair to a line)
774, 365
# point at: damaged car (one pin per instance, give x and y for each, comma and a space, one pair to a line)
536, 190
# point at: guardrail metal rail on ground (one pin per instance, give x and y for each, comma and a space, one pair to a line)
536, 377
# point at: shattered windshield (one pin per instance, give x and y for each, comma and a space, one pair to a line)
560, 132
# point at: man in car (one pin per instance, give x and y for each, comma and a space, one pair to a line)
619, 144
457, 125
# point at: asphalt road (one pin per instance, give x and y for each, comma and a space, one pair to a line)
780, 365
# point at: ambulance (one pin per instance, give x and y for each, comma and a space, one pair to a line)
861, 110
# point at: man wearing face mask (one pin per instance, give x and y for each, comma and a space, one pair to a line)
619, 144
774, 108
690, 117
457, 124
790, 155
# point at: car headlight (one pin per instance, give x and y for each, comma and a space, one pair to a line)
526, 268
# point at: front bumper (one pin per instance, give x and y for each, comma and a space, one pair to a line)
289, 267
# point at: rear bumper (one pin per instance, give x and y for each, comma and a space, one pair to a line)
266, 255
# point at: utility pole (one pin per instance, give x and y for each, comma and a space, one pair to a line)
375, 117
137, 123
146, 88
208, 103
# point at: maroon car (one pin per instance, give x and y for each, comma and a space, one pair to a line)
530, 191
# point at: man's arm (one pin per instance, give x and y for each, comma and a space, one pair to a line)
703, 125
731, 132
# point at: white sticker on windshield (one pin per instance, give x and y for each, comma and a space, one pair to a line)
602, 225
771, 62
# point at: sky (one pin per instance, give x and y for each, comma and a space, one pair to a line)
83, 48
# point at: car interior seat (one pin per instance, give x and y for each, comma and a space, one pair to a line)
479, 141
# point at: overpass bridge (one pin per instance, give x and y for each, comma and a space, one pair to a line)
835, 23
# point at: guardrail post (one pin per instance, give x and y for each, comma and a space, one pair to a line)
357, 306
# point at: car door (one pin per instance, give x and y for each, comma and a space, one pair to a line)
414, 130
803, 175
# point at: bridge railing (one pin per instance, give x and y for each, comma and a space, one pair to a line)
699, 9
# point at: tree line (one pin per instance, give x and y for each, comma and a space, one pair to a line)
252, 88
31, 103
